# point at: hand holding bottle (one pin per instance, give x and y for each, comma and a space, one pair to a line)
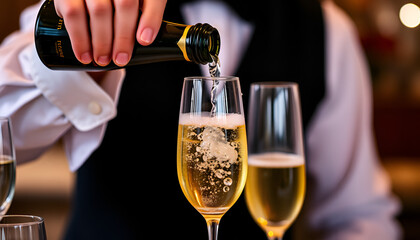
104, 30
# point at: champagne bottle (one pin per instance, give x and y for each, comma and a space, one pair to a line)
195, 43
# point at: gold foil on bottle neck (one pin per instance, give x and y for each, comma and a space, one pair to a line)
182, 44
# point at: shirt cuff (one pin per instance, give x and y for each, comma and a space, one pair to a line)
75, 93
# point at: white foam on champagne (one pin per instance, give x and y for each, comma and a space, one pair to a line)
230, 121
275, 160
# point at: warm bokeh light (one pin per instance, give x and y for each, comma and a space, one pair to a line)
410, 15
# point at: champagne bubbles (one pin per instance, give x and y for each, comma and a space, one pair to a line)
214, 145
227, 181
220, 173
214, 156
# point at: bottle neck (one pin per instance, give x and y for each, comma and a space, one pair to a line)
202, 42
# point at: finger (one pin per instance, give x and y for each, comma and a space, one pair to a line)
73, 13
101, 29
150, 20
125, 24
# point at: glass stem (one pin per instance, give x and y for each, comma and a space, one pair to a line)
213, 228
277, 236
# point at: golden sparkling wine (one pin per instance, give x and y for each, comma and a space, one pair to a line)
275, 190
7, 177
212, 161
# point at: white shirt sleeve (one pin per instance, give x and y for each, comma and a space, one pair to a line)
350, 195
46, 105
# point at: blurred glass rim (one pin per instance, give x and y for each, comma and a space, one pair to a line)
274, 84
20, 220
205, 78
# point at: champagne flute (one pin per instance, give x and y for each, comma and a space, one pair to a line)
275, 186
212, 147
17, 227
7, 166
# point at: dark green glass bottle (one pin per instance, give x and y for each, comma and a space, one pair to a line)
196, 43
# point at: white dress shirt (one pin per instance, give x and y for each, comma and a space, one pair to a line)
351, 199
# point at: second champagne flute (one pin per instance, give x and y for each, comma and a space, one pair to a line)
275, 186
212, 147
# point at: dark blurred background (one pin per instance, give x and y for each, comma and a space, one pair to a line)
391, 38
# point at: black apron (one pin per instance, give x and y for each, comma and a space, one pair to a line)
128, 188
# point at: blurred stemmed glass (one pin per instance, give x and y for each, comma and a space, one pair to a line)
22, 227
7, 166
275, 185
